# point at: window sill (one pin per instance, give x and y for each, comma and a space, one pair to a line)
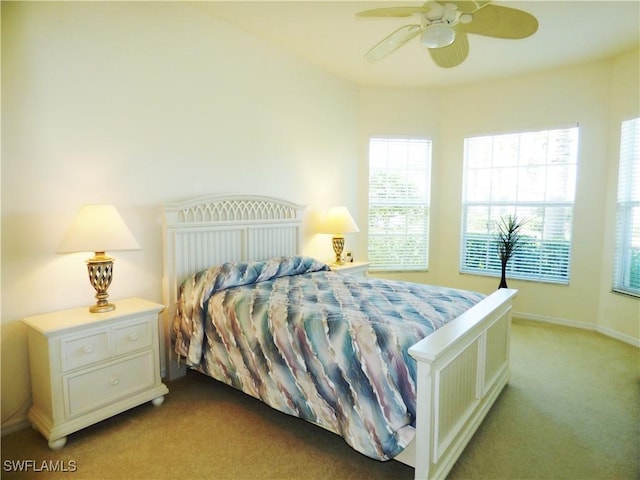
625, 293
548, 281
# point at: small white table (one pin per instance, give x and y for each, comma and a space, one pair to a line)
352, 268
86, 367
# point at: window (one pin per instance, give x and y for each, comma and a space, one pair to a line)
399, 194
530, 175
627, 258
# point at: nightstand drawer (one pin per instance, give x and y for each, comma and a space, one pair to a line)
85, 350
132, 337
92, 389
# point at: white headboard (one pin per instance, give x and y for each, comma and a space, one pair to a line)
206, 231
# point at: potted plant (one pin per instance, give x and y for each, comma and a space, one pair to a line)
509, 239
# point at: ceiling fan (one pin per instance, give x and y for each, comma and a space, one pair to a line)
444, 26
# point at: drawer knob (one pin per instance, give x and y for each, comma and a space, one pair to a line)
88, 349
134, 337
114, 381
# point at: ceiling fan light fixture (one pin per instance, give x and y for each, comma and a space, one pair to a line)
437, 35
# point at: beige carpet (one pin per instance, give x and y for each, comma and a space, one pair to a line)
571, 410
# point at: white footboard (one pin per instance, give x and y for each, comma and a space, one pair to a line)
462, 368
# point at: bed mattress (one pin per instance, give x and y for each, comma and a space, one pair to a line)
326, 347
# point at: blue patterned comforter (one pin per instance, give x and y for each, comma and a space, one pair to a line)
329, 348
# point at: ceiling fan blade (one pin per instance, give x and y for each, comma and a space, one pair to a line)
453, 54
393, 11
502, 22
466, 6
393, 42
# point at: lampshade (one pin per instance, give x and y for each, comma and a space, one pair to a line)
437, 35
98, 228
339, 221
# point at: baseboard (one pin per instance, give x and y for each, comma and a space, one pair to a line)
618, 336
583, 326
15, 425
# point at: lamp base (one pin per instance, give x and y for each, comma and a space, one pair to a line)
100, 268
338, 246
102, 308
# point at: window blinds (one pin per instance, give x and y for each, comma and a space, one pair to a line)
399, 195
627, 257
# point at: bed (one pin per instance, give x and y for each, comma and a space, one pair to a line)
249, 247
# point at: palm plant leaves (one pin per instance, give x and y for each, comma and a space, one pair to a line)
509, 236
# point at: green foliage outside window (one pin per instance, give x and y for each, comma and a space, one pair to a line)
397, 235
634, 280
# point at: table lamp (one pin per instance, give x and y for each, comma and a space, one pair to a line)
98, 229
338, 222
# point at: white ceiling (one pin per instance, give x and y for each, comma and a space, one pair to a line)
328, 34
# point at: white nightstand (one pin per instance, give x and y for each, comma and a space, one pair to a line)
352, 268
86, 367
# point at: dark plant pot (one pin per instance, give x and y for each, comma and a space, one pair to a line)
503, 277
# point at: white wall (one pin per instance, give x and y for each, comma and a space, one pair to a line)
597, 96
136, 104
